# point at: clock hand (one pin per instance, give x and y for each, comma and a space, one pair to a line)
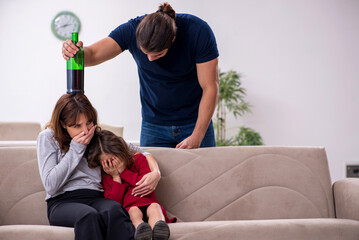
65, 25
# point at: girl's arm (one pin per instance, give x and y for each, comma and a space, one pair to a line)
139, 169
113, 189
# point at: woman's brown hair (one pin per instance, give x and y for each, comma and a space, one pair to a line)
66, 111
156, 32
109, 143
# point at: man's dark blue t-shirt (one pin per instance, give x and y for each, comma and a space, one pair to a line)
169, 88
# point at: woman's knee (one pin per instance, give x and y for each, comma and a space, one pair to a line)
89, 214
69, 215
114, 210
108, 205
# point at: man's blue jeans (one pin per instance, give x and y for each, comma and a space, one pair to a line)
153, 135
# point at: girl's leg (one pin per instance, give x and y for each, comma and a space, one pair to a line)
136, 216
154, 213
160, 229
143, 230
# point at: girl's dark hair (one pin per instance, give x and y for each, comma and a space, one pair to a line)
107, 142
66, 111
157, 31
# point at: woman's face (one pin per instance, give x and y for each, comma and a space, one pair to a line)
82, 125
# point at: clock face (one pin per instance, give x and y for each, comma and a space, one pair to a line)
64, 24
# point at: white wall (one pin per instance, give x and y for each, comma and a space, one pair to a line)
299, 60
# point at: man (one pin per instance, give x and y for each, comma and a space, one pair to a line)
177, 60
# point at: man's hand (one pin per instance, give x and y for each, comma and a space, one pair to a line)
147, 184
190, 142
69, 49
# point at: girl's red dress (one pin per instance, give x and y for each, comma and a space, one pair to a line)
121, 192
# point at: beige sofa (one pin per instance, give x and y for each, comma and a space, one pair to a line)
216, 193
116, 129
23, 131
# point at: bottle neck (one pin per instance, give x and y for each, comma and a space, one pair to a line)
75, 37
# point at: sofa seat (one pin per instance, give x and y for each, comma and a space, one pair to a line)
36, 232
278, 229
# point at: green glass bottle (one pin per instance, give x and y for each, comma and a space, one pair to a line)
75, 69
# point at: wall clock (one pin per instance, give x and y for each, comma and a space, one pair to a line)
64, 24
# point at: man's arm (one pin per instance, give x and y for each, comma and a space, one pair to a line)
97, 53
208, 79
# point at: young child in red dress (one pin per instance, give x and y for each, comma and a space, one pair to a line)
123, 168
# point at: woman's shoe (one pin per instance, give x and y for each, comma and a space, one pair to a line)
161, 231
143, 232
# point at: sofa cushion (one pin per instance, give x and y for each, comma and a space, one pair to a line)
245, 183
36, 232
304, 229
10, 131
308, 229
22, 194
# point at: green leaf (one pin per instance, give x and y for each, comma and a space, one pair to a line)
232, 99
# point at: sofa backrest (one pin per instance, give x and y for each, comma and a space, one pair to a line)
22, 195
10, 131
116, 129
245, 183
223, 183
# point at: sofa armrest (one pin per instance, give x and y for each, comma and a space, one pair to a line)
346, 197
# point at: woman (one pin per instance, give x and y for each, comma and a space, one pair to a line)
74, 193
177, 59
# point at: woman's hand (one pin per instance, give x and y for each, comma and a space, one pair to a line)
69, 49
85, 138
147, 184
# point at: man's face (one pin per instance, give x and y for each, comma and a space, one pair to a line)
154, 55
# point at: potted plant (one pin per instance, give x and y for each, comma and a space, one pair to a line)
231, 98
247, 137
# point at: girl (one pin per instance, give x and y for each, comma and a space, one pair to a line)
123, 167
74, 193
